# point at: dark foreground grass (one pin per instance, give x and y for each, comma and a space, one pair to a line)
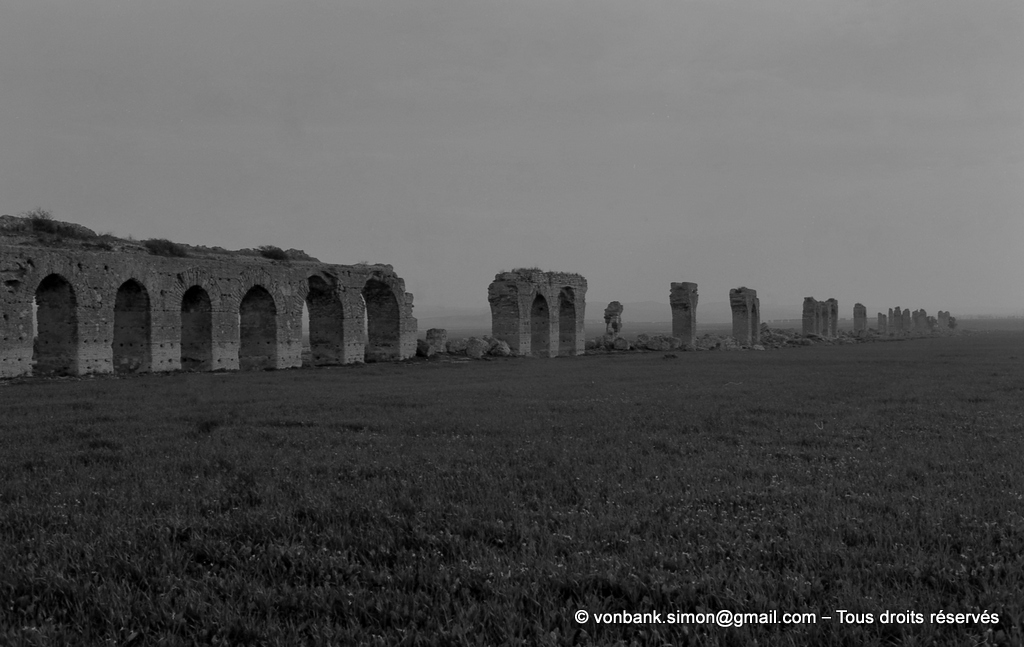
487, 502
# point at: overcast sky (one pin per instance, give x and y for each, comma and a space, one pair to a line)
870, 151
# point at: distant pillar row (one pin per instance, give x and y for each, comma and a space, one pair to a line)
746, 316
683, 300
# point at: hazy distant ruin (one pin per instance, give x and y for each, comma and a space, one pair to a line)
538, 313
683, 301
903, 321
860, 319
746, 316
75, 310
613, 320
820, 317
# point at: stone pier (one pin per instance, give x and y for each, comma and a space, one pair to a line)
746, 316
613, 320
896, 320
820, 317
833, 319
683, 301
811, 317
823, 318
920, 318
906, 322
538, 313
860, 319
883, 324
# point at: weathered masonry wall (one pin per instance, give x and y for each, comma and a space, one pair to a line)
683, 301
539, 313
74, 312
746, 316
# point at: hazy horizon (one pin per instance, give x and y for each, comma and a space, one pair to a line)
872, 152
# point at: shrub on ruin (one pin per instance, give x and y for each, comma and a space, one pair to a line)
164, 247
273, 253
41, 221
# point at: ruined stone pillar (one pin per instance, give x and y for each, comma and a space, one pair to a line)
883, 324
746, 324
860, 319
810, 320
819, 317
943, 319
613, 319
683, 301
906, 323
833, 318
437, 340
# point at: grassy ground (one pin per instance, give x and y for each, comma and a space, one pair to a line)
487, 502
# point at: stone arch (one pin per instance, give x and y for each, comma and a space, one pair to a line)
567, 322
383, 322
55, 347
132, 330
196, 330
257, 318
326, 323
540, 327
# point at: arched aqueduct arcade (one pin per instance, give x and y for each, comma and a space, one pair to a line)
75, 312
539, 313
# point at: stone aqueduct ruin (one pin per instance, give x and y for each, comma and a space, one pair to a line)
821, 317
79, 310
71, 311
538, 313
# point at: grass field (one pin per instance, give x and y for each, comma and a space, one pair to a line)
487, 502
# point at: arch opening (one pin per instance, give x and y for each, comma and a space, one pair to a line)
132, 333
55, 345
257, 319
326, 324
567, 322
383, 322
196, 330
540, 327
